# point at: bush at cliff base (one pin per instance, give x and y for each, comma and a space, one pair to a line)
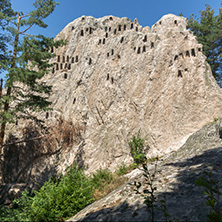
57, 199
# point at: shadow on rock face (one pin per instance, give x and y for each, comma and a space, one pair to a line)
122, 212
184, 200
23, 167
175, 180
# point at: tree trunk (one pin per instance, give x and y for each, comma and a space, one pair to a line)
1, 87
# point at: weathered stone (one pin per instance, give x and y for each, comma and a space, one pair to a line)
175, 177
116, 78
129, 79
9, 191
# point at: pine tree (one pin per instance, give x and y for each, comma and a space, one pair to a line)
208, 29
5, 8
25, 65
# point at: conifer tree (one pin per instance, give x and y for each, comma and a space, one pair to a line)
208, 29
25, 65
5, 8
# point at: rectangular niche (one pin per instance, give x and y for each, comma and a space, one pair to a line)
144, 48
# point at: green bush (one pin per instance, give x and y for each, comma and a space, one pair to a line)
21, 210
211, 188
149, 194
137, 148
101, 177
56, 200
122, 170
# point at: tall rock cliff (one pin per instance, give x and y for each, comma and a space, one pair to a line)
117, 77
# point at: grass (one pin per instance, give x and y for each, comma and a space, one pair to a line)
105, 182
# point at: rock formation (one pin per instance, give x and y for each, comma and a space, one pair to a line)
116, 78
175, 180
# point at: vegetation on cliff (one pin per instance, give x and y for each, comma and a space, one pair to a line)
208, 29
65, 195
25, 64
62, 196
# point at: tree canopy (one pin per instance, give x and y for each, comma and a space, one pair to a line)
26, 64
5, 8
208, 29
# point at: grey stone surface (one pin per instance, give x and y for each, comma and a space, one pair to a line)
175, 179
117, 77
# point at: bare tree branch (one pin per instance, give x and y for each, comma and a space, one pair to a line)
23, 16
23, 141
26, 29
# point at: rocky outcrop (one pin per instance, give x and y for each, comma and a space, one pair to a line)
175, 177
117, 77
114, 78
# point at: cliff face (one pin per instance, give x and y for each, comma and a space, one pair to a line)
116, 78
174, 180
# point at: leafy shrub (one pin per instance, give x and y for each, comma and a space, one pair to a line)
101, 177
105, 182
56, 200
148, 194
133, 166
137, 148
122, 170
212, 189
62, 197
21, 209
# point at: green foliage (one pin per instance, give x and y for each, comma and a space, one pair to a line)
122, 170
212, 190
62, 198
58, 199
215, 119
149, 193
133, 166
101, 177
5, 9
137, 148
208, 29
26, 64
163, 209
21, 209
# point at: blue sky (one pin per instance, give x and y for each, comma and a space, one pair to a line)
147, 11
